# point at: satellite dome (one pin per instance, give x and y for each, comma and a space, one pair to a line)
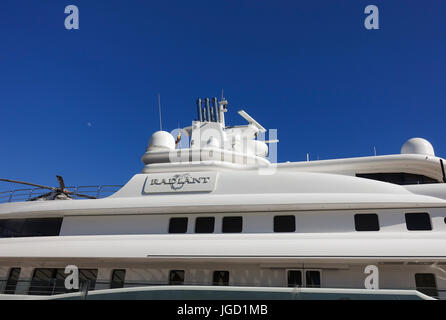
161, 140
259, 148
418, 146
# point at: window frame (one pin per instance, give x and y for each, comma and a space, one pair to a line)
287, 279
320, 278
214, 283
169, 229
231, 217
197, 219
418, 213
357, 217
398, 178
121, 282
426, 290
275, 218
176, 282
303, 273
26, 227
6, 289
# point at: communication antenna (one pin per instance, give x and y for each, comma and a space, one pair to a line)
222, 94
159, 109
374, 150
251, 120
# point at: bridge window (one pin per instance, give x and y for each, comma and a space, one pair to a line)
232, 224
118, 279
418, 221
13, 279
220, 278
204, 225
176, 277
426, 284
284, 223
400, 178
178, 225
34, 227
366, 222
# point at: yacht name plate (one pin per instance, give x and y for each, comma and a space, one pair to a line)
181, 182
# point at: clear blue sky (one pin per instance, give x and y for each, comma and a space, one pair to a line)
308, 68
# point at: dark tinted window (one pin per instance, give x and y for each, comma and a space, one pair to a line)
426, 284
49, 281
232, 224
294, 278
366, 222
313, 279
204, 225
34, 227
12, 281
400, 178
418, 221
176, 277
87, 277
118, 279
284, 224
178, 225
43, 282
220, 278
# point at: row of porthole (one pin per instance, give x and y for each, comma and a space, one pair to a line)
415, 221
229, 224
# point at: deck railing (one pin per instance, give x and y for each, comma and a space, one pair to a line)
100, 191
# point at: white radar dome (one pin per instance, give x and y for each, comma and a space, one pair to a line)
161, 140
258, 148
418, 146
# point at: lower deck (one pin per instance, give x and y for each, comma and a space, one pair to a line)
48, 278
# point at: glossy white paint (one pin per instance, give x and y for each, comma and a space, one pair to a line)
130, 228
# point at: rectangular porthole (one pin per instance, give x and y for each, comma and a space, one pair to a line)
232, 225
176, 277
418, 221
12, 281
366, 222
284, 224
178, 225
118, 279
426, 284
220, 278
204, 225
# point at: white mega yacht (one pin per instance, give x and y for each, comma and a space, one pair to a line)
216, 219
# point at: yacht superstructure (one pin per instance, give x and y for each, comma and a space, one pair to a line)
217, 219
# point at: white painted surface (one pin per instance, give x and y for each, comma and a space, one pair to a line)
417, 245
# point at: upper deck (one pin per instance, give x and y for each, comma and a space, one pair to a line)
227, 167
241, 191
